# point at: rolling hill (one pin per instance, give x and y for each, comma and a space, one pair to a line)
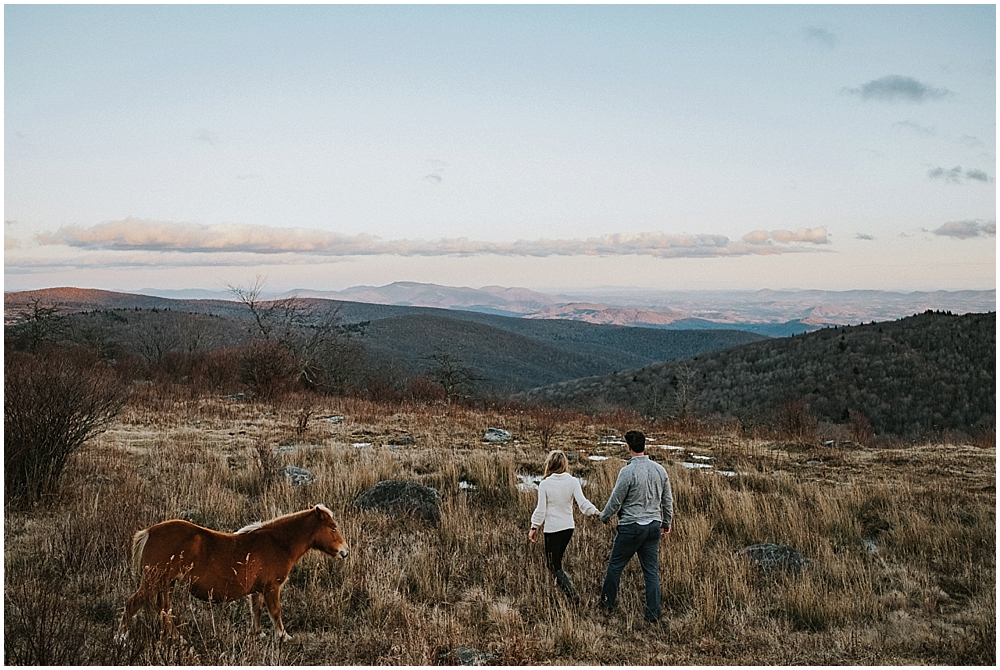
929, 372
507, 354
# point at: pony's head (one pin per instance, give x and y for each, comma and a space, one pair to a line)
327, 538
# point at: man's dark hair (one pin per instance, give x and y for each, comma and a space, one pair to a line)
636, 441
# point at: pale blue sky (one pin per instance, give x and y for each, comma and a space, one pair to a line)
322, 147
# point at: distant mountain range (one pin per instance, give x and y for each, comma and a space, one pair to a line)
768, 312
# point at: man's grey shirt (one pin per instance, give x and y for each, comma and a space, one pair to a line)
642, 494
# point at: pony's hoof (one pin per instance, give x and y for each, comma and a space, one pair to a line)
284, 637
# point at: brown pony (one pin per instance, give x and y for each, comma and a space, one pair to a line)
221, 567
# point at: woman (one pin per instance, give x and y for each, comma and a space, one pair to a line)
556, 492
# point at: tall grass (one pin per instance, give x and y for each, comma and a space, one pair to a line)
901, 544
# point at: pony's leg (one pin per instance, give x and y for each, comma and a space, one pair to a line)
256, 607
132, 606
272, 598
164, 599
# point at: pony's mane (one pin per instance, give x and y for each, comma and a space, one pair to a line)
257, 525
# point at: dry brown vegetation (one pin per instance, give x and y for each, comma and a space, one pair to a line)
901, 543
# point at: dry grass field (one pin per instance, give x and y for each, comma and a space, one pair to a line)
901, 543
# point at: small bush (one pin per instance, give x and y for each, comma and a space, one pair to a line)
53, 403
268, 369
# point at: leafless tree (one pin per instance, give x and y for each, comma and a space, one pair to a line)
685, 394
325, 352
452, 374
155, 335
35, 324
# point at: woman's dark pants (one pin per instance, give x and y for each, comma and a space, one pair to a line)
644, 541
555, 547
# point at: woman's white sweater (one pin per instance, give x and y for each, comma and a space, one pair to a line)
555, 502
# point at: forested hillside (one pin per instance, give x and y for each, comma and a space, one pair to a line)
358, 344
930, 372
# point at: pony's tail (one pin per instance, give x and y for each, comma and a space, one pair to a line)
138, 546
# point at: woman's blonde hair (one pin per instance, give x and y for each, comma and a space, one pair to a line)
556, 463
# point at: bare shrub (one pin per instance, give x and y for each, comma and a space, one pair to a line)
53, 403
547, 423
268, 369
267, 464
424, 389
985, 438
861, 429
794, 421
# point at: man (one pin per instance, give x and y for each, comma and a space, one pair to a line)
644, 503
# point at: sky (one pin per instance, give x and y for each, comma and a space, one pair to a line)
552, 147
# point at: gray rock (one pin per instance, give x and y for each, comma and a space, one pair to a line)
298, 476
467, 656
402, 498
497, 435
770, 557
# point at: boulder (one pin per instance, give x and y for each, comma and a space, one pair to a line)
770, 557
402, 498
497, 435
297, 476
466, 656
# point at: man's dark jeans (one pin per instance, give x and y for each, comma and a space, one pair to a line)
644, 541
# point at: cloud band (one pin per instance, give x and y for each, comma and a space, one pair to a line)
145, 235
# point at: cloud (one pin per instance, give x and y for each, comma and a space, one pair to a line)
956, 174
896, 87
864, 236
802, 235
437, 167
205, 135
135, 235
821, 35
10, 243
915, 127
952, 176
970, 141
964, 230
978, 175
